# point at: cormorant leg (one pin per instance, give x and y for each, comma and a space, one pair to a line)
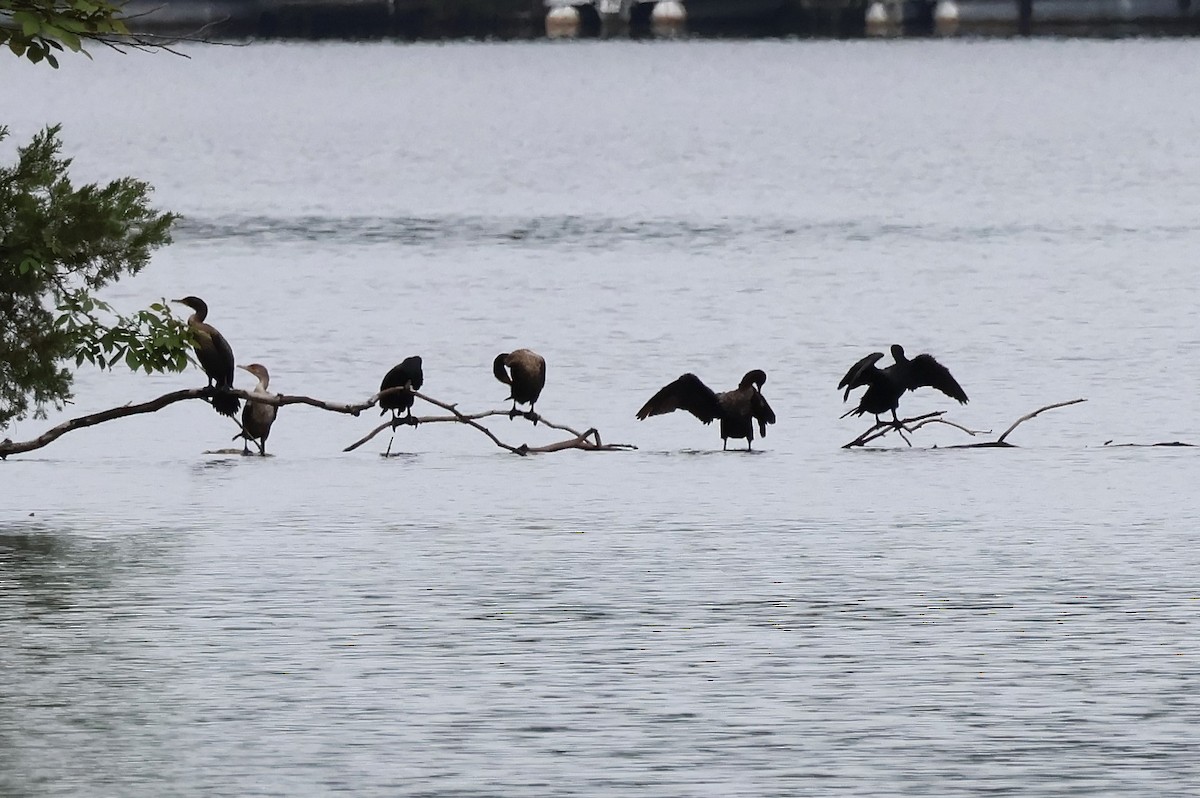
246, 448
724, 444
513, 413
532, 416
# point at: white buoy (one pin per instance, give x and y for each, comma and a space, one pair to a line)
878, 23
945, 18
562, 22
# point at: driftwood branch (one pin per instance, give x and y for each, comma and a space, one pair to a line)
8, 447
587, 441
910, 425
1037, 412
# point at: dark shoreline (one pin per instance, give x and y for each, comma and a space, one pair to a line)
419, 20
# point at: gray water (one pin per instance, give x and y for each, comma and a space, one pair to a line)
674, 620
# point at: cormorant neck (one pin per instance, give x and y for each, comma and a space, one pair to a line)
498, 369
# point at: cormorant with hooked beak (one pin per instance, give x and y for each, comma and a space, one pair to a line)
524, 371
215, 356
257, 417
886, 386
738, 409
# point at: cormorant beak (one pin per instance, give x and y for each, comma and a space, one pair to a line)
245, 368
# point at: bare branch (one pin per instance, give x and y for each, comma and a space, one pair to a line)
911, 425
1037, 412
587, 441
8, 447
881, 428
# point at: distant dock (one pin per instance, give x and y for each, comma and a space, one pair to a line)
518, 19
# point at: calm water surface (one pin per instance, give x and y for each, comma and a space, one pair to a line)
672, 621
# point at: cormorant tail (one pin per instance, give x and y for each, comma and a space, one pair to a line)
225, 403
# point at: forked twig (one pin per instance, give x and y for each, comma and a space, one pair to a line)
586, 441
1037, 412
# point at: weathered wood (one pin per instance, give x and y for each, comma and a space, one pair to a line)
586, 441
910, 425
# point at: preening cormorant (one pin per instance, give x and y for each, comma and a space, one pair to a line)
215, 355
406, 375
525, 375
886, 386
737, 409
257, 417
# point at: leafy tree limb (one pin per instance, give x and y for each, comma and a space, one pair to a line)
59, 245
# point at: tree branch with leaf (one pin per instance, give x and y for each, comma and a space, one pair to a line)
59, 245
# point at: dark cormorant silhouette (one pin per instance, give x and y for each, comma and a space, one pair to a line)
406, 375
257, 417
215, 356
524, 371
737, 409
886, 386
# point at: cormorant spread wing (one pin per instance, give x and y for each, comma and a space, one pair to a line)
686, 393
860, 374
925, 370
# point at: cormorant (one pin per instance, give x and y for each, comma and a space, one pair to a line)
406, 375
257, 417
737, 409
525, 375
215, 356
886, 386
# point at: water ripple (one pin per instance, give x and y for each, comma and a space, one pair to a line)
604, 232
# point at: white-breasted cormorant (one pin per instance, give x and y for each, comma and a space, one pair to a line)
524, 371
886, 386
257, 417
406, 375
738, 409
215, 355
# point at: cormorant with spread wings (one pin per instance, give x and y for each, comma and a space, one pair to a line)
886, 386
738, 410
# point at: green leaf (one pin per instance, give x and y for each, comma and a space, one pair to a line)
30, 24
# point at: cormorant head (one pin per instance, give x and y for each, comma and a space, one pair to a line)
259, 371
498, 368
195, 303
416, 374
757, 378
898, 353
